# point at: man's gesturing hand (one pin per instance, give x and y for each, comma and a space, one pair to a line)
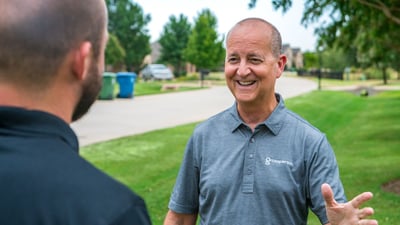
348, 213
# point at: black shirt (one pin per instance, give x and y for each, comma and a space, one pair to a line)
43, 180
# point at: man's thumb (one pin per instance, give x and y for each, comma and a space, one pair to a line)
327, 193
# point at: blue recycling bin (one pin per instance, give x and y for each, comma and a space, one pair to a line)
126, 82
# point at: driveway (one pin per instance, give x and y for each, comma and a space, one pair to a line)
110, 119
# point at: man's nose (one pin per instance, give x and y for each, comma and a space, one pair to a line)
243, 69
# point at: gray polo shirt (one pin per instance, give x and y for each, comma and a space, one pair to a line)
231, 175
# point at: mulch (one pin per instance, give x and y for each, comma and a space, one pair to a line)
364, 91
392, 186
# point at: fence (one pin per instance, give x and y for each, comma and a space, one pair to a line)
324, 74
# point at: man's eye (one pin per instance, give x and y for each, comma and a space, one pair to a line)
255, 60
233, 60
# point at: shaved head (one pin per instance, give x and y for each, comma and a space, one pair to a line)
37, 35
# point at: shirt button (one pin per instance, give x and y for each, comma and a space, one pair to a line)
252, 140
249, 171
251, 156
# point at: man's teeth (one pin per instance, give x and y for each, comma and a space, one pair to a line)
246, 83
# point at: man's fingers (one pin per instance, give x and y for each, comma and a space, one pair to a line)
365, 212
350, 212
357, 201
328, 195
368, 222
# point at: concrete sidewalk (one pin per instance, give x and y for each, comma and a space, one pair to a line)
116, 118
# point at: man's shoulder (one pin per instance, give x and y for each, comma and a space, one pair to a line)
65, 187
214, 126
300, 122
217, 120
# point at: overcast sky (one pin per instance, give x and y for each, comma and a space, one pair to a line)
228, 12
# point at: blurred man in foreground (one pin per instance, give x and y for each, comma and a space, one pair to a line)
51, 64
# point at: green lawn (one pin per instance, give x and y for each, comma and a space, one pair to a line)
155, 87
141, 88
364, 132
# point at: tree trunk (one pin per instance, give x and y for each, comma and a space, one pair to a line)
384, 74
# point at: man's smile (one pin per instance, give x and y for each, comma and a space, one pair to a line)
246, 83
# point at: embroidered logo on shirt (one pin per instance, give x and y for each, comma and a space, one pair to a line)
269, 161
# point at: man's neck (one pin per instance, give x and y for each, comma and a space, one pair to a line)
254, 114
33, 100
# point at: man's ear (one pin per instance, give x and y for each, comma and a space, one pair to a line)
281, 64
81, 60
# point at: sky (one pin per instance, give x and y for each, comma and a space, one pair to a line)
228, 12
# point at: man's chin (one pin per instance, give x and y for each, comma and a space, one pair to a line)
245, 98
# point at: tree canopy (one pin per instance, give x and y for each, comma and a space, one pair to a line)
128, 22
174, 39
205, 48
115, 53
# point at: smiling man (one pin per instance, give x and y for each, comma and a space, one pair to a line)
258, 162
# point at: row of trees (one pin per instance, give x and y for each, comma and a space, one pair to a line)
363, 33
364, 30
180, 42
200, 45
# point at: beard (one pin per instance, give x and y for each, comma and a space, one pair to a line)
90, 89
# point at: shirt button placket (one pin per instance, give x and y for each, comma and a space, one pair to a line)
249, 167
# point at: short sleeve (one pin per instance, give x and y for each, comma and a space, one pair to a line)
185, 195
324, 169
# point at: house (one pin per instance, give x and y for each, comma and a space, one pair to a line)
294, 57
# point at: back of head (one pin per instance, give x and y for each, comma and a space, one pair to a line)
36, 36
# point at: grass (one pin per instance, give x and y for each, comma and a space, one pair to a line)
364, 133
141, 88
327, 83
155, 87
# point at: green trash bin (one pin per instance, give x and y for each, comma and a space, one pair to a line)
107, 90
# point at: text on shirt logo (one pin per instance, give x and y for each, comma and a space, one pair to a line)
269, 161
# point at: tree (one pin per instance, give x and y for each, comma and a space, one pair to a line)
369, 27
204, 49
174, 39
337, 60
128, 23
115, 54
310, 60
390, 10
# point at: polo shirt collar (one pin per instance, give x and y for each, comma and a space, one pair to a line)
33, 123
274, 122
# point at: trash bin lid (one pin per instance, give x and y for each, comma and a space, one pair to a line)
108, 74
128, 74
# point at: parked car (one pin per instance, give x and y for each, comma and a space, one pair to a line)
156, 72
